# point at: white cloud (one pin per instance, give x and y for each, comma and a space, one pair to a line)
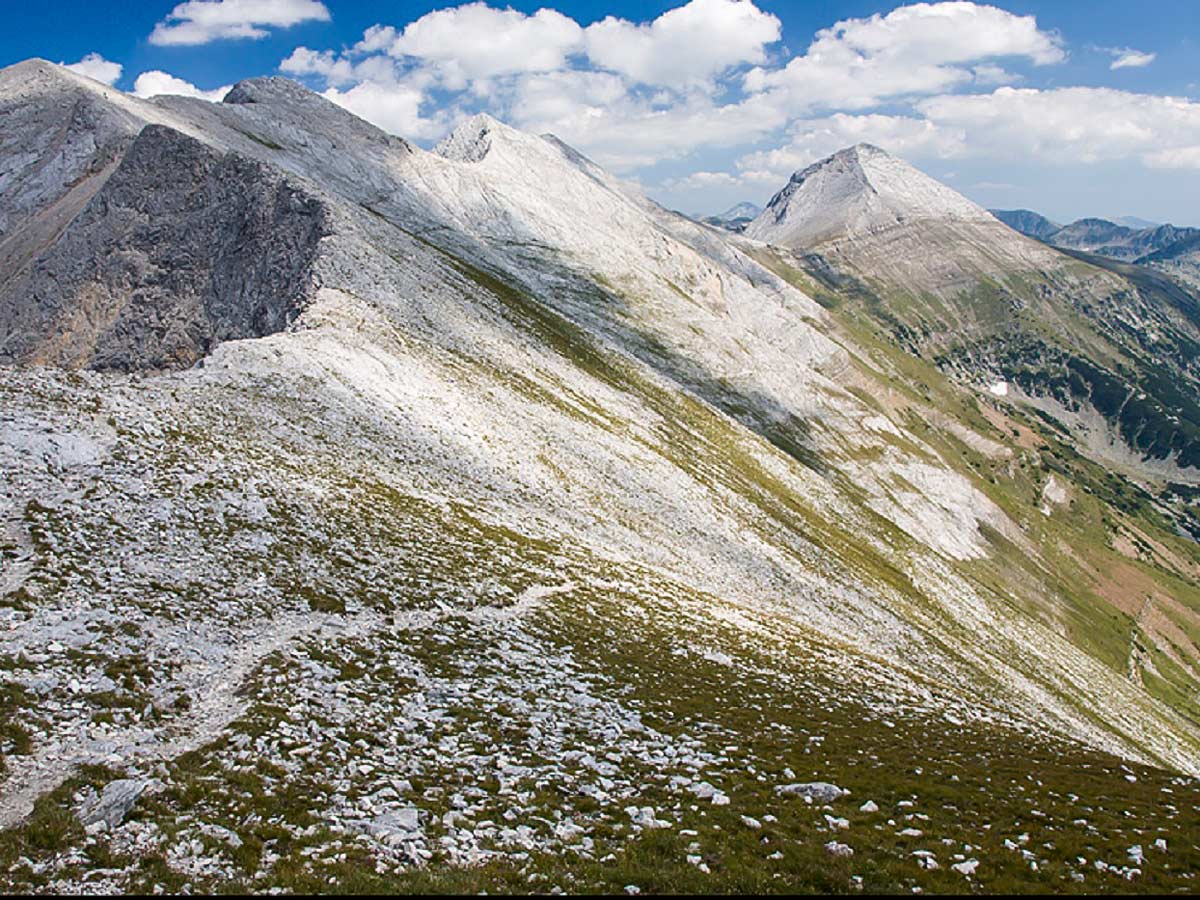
650, 104
623, 130
334, 69
814, 139
989, 74
338, 69
1177, 158
476, 41
396, 108
1127, 58
701, 180
1072, 125
203, 21
96, 66
155, 82
544, 102
685, 45
1065, 126
919, 49
632, 94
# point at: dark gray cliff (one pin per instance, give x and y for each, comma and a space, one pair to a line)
181, 248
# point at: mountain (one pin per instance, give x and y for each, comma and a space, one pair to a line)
1111, 357
736, 218
1131, 241
1027, 222
740, 211
880, 218
1109, 239
384, 519
1181, 260
1135, 222
858, 191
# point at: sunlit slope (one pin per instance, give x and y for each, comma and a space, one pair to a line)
517, 395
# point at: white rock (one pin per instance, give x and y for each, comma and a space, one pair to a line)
833, 848
817, 791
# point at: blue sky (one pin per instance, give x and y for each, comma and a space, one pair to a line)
1072, 108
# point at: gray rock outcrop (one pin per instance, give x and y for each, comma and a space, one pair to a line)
113, 803
182, 248
819, 791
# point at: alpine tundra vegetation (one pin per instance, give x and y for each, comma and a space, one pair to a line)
385, 519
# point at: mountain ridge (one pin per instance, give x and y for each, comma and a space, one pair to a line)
994, 305
510, 422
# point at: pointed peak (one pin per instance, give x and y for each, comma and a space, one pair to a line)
854, 157
862, 151
472, 138
32, 66
484, 120
37, 71
857, 190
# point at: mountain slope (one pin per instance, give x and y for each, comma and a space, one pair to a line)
888, 221
515, 481
1130, 240
1180, 259
1112, 358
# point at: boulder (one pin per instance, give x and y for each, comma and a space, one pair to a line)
817, 791
113, 803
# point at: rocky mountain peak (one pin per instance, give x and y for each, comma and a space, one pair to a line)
860, 189
471, 140
267, 90
32, 75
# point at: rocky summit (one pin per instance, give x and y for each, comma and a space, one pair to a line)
383, 519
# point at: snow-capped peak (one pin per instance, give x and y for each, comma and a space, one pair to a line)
857, 190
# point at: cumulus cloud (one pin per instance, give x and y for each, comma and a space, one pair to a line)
155, 82
394, 107
814, 139
1072, 125
685, 45
476, 41
920, 49
203, 21
1065, 126
627, 93
1127, 58
1175, 158
334, 69
96, 66
624, 130
701, 180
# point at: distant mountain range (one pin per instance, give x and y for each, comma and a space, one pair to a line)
736, 218
1100, 236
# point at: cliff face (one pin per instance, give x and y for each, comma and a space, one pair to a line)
182, 248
